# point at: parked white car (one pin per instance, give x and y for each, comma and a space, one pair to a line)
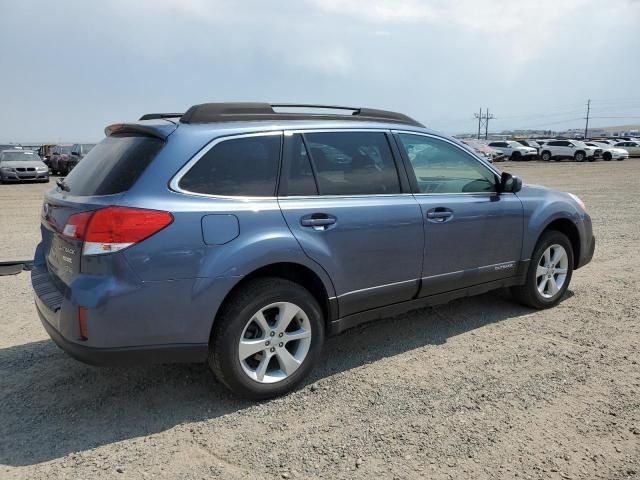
575, 149
632, 147
609, 152
514, 150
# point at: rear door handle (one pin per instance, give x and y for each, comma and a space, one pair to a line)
439, 214
319, 221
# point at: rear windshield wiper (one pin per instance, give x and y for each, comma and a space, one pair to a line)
63, 186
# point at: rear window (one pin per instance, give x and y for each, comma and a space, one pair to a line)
113, 165
237, 167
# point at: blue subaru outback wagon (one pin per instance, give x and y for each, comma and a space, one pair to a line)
242, 234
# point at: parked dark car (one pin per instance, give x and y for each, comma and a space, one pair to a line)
243, 236
44, 151
22, 165
59, 154
78, 151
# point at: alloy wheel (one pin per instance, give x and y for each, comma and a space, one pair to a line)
274, 342
551, 273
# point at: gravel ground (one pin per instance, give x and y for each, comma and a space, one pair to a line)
479, 388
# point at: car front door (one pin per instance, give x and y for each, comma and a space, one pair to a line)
473, 233
350, 208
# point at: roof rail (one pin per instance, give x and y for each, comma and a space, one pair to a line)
244, 111
156, 116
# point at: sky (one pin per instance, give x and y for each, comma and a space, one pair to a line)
68, 68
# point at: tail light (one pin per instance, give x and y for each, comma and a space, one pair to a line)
112, 229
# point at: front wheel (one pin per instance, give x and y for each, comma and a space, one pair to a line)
267, 338
546, 156
579, 157
549, 272
606, 156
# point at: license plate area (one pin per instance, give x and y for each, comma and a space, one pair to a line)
64, 258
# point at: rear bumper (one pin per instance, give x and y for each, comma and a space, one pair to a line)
58, 312
127, 356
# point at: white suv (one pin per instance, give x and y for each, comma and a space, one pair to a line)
575, 149
514, 150
609, 152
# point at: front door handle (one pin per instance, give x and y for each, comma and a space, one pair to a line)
439, 214
318, 221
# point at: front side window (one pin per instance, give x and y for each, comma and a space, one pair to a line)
441, 167
245, 166
353, 163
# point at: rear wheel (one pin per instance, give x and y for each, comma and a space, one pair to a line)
267, 338
549, 272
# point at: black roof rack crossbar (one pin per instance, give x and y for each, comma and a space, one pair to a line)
156, 116
245, 111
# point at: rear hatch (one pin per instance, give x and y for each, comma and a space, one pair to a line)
100, 180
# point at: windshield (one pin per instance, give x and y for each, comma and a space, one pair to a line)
7, 156
65, 148
514, 144
578, 143
86, 147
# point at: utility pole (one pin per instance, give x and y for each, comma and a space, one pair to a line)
483, 120
479, 117
586, 127
486, 124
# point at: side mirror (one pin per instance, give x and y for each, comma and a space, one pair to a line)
75, 154
572, 146
510, 183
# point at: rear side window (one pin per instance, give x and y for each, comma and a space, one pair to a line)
353, 163
237, 167
113, 165
299, 178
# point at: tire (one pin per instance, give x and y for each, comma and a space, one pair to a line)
516, 156
546, 156
606, 156
238, 320
579, 157
529, 294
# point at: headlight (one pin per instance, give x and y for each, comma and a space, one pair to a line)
7, 169
578, 201
41, 169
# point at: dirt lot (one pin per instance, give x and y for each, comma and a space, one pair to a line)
479, 388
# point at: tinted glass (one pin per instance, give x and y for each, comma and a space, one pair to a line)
237, 167
353, 163
113, 166
299, 178
441, 167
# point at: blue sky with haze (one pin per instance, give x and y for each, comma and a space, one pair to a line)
71, 67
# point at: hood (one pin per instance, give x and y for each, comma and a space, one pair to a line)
22, 164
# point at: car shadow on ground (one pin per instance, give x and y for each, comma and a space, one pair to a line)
52, 405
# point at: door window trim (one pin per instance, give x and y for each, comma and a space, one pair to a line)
412, 176
174, 183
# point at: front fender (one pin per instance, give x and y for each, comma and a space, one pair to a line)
542, 207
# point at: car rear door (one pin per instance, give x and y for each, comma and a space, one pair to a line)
473, 234
349, 206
